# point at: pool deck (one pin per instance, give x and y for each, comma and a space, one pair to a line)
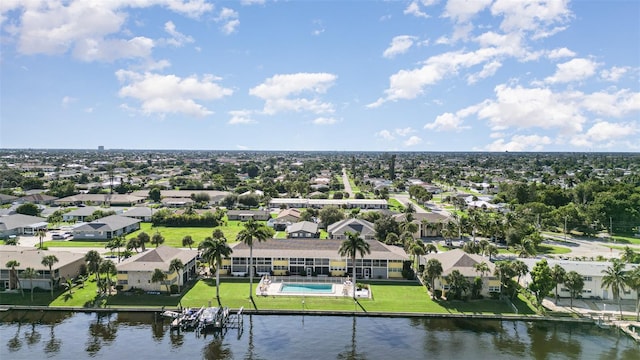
273, 289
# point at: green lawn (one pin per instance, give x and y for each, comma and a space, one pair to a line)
552, 249
626, 240
173, 235
395, 205
394, 297
74, 243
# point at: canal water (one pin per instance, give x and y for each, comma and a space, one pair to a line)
65, 335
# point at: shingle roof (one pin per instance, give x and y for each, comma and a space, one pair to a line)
353, 225
158, 258
307, 226
18, 221
32, 257
109, 223
459, 260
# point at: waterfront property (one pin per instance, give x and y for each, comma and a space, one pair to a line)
67, 267
106, 228
137, 271
465, 263
19, 224
315, 257
591, 272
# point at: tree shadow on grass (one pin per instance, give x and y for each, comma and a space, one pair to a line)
495, 307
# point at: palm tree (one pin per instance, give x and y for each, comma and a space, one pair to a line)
574, 282
117, 243
133, 243
30, 273
481, 268
526, 248
143, 239
93, 259
559, 274
432, 270
615, 277
520, 269
157, 239
430, 248
417, 249
177, 266
633, 282
41, 233
108, 268
628, 255
213, 250
491, 250
458, 284
187, 240
218, 235
159, 276
49, 261
14, 280
353, 245
253, 231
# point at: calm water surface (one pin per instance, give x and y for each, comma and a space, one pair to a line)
56, 335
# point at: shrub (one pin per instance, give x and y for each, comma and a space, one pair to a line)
173, 289
437, 294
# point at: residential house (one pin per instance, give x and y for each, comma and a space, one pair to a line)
465, 263
364, 204
315, 257
40, 199
337, 230
246, 215
429, 224
141, 213
591, 272
136, 271
79, 214
100, 199
67, 267
7, 199
303, 229
106, 228
177, 201
19, 224
290, 215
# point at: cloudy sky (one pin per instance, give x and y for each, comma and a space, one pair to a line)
423, 75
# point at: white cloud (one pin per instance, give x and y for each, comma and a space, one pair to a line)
164, 94
488, 70
538, 17
414, 9
404, 131
446, 122
412, 141
91, 30
324, 121
399, 45
277, 92
385, 134
560, 53
604, 132
520, 143
464, 10
67, 100
611, 104
240, 117
252, 2
614, 74
573, 70
229, 19
177, 38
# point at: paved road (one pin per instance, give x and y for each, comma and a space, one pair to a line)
347, 185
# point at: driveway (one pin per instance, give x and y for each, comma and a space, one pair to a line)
347, 185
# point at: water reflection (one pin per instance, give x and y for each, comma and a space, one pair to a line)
14, 344
547, 342
351, 353
216, 349
33, 336
102, 331
53, 345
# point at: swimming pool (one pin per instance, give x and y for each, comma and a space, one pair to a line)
307, 288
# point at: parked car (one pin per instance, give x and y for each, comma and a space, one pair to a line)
61, 236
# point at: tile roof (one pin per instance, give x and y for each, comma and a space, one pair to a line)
158, 258
325, 248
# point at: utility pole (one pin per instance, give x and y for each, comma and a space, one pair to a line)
611, 228
565, 228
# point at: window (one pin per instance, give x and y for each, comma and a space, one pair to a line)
494, 288
587, 278
586, 291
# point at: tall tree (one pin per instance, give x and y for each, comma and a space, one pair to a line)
108, 268
417, 249
481, 268
458, 284
93, 260
432, 270
187, 240
41, 233
159, 276
541, 280
143, 239
615, 277
30, 273
213, 251
575, 283
633, 282
14, 280
49, 261
559, 274
351, 246
157, 239
176, 266
253, 231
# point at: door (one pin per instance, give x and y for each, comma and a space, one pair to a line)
605, 295
309, 271
367, 273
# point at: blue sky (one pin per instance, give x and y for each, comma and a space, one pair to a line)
424, 75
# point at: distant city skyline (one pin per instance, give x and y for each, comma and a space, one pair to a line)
423, 75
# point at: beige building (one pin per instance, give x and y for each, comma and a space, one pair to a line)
136, 271
465, 264
67, 267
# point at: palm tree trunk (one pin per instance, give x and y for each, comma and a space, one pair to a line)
354, 276
218, 280
250, 272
